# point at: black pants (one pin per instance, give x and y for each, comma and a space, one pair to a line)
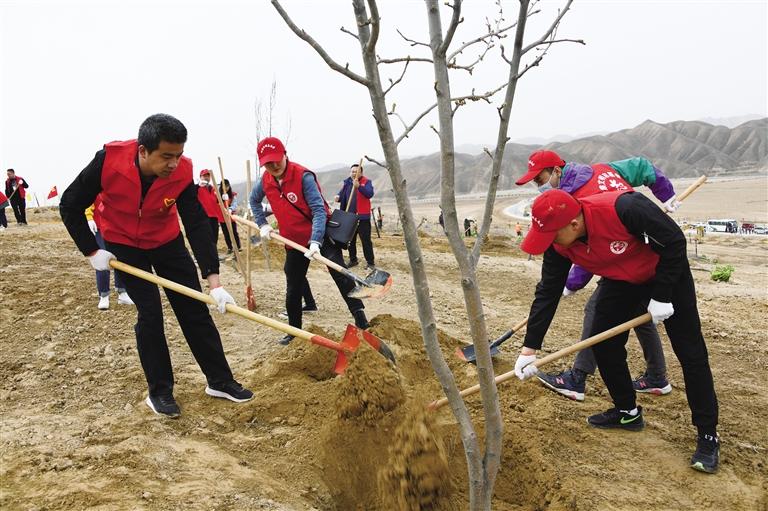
227, 239
3, 219
617, 302
295, 268
171, 261
214, 229
18, 204
364, 231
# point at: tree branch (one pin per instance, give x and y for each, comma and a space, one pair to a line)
392, 84
350, 33
376, 162
408, 129
413, 43
455, 20
302, 34
550, 30
482, 38
403, 59
370, 46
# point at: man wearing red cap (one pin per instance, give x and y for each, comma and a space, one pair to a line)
144, 186
301, 212
548, 170
641, 254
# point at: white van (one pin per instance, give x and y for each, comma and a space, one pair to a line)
722, 225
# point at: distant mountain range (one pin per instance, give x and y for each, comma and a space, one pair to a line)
680, 149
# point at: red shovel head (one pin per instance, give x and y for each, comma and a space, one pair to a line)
349, 343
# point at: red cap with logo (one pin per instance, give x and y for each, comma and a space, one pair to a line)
551, 211
539, 161
204, 172
270, 150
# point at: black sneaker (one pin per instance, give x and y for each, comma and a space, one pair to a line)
657, 386
309, 309
570, 383
285, 340
614, 418
360, 320
707, 455
230, 390
163, 405
352, 262
370, 266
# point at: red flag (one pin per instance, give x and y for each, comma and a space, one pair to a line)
53, 193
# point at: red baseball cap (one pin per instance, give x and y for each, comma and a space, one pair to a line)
204, 172
551, 211
539, 161
270, 150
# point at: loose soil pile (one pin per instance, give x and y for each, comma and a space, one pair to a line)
75, 433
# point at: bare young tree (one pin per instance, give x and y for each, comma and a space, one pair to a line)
483, 464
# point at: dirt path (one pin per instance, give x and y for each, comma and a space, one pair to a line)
76, 434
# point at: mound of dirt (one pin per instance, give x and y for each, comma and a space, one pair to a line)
371, 387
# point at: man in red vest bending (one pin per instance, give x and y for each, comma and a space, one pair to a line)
301, 212
641, 254
145, 185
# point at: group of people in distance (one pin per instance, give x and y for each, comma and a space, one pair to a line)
588, 220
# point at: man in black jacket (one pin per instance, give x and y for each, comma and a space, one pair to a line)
641, 254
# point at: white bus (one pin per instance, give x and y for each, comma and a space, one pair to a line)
722, 225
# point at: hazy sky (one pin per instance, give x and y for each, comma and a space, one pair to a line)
74, 75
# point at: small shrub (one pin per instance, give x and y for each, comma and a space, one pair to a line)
722, 273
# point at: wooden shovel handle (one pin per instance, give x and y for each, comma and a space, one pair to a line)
692, 188
586, 343
351, 191
293, 244
227, 221
202, 297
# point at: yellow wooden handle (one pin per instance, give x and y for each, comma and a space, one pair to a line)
586, 343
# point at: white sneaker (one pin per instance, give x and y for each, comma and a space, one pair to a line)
124, 299
103, 303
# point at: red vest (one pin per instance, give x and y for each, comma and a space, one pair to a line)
295, 224
362, 203
604, 179
21, 191
207, 197
125, 219
611, 251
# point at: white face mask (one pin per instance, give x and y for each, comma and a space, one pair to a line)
203, 183
546, 186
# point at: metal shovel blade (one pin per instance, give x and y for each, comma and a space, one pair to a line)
467, 353
377, 344
375, 284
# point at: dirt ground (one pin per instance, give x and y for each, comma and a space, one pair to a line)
75, 433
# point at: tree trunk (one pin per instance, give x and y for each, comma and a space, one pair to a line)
481, 490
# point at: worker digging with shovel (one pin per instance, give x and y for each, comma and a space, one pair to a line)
301, 212
641, 254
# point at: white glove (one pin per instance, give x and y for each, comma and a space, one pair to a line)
222, 298
224, 196
567, 292
264, 231
100, 259
660, 311
524, 367
672, 205
314, 248
93, 226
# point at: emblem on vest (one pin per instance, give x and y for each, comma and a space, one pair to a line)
291, 197
618, 247
610, 181
169, 202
